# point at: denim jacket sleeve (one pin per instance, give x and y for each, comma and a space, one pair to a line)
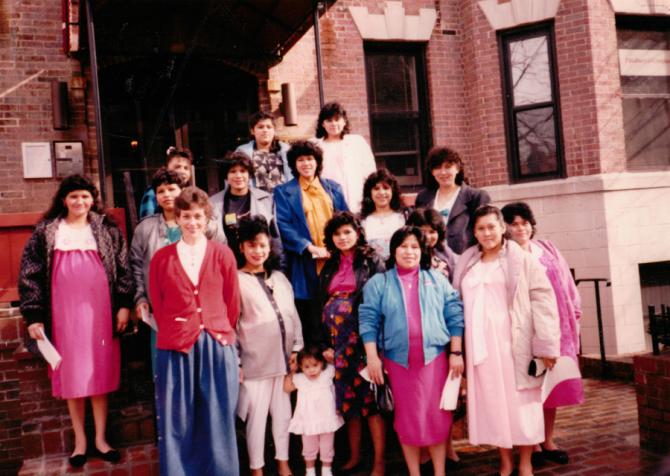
370, 310
453, 311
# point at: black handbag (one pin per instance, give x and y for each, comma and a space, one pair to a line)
382, 393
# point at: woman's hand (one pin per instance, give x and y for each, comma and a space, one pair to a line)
318, 252
36, 331
142, 309
549, 362
122, 316
293, 362
329, 355
456, 365
375, 369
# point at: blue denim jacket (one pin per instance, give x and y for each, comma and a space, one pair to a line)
441, 314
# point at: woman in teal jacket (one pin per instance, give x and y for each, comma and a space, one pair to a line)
411, 313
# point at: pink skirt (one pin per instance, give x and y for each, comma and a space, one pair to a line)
82, 326
417, 391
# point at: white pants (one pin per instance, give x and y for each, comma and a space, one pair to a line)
258, 398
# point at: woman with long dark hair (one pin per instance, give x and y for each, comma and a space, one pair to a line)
76, 288
351, 264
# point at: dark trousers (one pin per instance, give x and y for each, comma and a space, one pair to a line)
310, 318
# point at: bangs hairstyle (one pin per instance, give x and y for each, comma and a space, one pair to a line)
328, 111
311, 351
519, 209
429, 217
399, 237
438, 156
236, 158
380, 176
193, 196
163, 176
339, 220
304, 147
248, 229
173, 152
70, 184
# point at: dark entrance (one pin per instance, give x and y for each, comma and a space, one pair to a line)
149, 105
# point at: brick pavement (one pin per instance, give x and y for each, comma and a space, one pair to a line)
600, 435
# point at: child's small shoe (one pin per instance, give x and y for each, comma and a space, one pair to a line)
326, 471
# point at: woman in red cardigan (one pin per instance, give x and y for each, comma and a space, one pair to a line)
195, 296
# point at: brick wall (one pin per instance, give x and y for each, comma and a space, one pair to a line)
33, 423
652, 383
31, 46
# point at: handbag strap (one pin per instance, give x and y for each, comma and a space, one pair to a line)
275, 306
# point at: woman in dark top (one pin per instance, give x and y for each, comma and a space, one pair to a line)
447, 192
352, 262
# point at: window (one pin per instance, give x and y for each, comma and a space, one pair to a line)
644, 65
397, 105
531, 104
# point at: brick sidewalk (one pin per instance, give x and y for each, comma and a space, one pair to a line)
600, 435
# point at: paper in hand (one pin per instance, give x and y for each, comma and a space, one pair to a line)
365, 374
566, 368
48, 351
452, 387
149, 320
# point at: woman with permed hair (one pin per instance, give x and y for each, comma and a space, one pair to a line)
347, 158
521, 225
381, 210
447, 192
351, 264
76, 288
304, 205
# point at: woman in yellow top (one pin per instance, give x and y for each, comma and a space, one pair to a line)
303, 206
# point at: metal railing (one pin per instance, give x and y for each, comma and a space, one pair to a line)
599, 315
659, 328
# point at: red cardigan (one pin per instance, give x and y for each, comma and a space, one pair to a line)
183, 310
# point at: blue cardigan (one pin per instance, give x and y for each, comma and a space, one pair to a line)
295, 234
441, 314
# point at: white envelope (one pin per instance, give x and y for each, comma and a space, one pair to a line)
149, 320
48, 351
450, 392
566, 368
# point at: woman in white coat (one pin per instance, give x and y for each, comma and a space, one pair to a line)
347, 158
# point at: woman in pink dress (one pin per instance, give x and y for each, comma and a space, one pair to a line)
412, 315
510, 319
521, 224
76, 288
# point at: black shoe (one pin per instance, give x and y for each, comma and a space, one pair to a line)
357, 468
111, 456
452, 464
77, 461
537, 459
557, 456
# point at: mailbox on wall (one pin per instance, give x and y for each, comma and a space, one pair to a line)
69, 158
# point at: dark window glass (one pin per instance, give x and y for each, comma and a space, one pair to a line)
644, 56
532, 117
398, 108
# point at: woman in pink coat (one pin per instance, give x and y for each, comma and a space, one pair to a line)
510, 320
521, 224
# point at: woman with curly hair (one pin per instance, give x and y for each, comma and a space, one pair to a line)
341, 282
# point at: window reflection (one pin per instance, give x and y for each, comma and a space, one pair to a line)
531, 78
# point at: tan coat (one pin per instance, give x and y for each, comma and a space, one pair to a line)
532, 307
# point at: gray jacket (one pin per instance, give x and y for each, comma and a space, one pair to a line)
148, 238
261, 203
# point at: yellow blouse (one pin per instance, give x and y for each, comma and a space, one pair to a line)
318, 208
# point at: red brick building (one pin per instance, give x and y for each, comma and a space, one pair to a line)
562, 103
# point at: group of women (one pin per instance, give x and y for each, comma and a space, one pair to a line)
329, 285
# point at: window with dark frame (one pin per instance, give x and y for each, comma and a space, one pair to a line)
398, 107
644, 54
532, 117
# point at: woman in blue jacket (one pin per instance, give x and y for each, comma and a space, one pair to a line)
303, 206
411, 313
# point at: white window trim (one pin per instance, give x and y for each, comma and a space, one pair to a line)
518, 12
394, 24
